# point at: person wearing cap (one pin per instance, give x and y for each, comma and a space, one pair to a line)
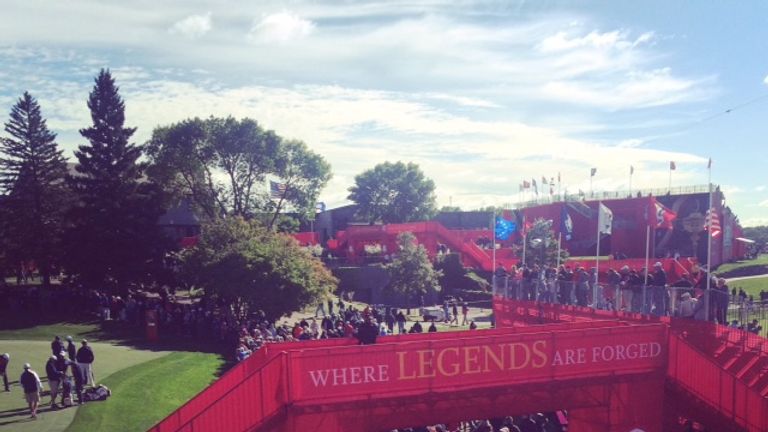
687, 306
54, 379
32, 386
85, 357
4, 360
71, 348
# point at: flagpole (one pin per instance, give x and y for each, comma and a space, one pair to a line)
647, 250
670, 179
493, 230
597, 257
630, 181
709, 243
525, 235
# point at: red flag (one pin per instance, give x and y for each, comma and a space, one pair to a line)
526, 184
592, 172
664, 216
672, 165
709, 164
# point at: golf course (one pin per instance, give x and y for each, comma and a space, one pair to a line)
147, 382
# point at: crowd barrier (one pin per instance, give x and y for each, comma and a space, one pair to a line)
688, 302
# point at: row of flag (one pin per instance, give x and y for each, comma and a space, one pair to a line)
661, 218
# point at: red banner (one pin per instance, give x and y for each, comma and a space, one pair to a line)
471, 361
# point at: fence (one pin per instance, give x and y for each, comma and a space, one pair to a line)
728, 393
609, 195
686, 302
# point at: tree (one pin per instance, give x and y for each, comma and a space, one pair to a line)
114, 238
760, 235
223, 163
541, 247
304, 174
411, 273
394, 193
253, 268
32, 171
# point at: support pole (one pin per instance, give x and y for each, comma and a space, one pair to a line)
709, 247
559, 245
597, 258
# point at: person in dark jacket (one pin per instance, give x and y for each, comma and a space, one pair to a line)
56, 346
4, 360
55, 377
71, 349
432, 327
30, 382
367, 332
85, 357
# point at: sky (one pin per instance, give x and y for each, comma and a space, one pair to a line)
480, 94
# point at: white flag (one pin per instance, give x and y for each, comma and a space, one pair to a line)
604, 219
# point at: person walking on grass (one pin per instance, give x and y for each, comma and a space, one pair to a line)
464, 313
454, 313
32, 386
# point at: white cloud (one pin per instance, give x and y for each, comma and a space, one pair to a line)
760, 188
765, 80
638, 90
616, 39
763, 204
754, 221
280, 27
193, 26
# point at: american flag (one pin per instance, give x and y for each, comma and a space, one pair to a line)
714, 222
276, 190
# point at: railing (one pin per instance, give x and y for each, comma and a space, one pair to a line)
698, 374
686, 302
612, 195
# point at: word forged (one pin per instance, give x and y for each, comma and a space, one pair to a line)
468, 360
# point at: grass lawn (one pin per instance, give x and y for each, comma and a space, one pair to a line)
744, 268
751, 286
147, 392
46, 332
13, 414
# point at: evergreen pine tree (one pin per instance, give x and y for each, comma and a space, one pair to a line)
114, 239
32, 171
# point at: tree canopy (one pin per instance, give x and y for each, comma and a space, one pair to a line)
411, 272
223, 164
32, 171
394, 193
248, 265
114, 238
541, 246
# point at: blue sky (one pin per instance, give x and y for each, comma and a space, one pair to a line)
481, 94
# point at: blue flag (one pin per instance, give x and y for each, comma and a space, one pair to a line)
566, 224
504, 228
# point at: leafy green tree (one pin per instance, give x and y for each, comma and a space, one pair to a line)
411, 272
541, 247
222, 165
304, 174
760, 235
448, 209
114, 239
32, 171
253, 268
394, 193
